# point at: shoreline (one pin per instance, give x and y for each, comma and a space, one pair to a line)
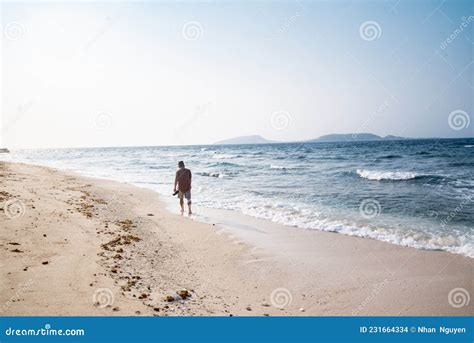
417, 238
122, 238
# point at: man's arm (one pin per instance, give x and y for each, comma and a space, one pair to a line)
175, 182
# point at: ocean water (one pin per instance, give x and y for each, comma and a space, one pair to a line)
417, 193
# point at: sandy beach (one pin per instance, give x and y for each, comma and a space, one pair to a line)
72, 245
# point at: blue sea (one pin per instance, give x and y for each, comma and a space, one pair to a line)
416, 193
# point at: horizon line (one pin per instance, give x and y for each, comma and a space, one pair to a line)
227, 144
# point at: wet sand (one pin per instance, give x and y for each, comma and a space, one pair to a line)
71, 245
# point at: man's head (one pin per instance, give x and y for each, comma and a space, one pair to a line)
180, 164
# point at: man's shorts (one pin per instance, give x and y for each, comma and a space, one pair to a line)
187, 195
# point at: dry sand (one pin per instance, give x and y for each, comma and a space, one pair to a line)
71, 245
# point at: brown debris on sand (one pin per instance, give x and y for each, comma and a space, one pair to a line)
4, 195
169, 298
126, 224
85, 203
124, 239
184, 294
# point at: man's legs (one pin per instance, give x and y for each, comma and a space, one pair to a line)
188, 197
181, 202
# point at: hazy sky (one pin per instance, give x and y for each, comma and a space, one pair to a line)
157, 73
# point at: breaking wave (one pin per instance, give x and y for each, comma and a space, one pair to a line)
377, 175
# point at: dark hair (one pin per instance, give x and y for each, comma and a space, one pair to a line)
180, 164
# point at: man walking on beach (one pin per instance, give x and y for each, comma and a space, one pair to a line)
183, 181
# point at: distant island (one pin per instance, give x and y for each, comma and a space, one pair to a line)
354, 137
255, 139
335, 137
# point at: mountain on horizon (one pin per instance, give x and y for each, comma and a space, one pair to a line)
335, 137
354, 137
253, 139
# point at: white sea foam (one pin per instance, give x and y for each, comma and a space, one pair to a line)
285, 167
378, 175
223, 156
273, 166
310, 219
213, 174
469, 146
